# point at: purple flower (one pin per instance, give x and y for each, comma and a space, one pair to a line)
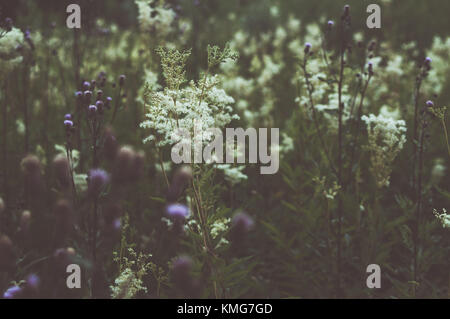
88, 94
68, 116
92, 108
330, 23
307, 47
9, 24
430, 103
178, 211
108, 102
117, 224
12, 292
68, 123
99, 94
78, 94
86, 85
241, 225
121, 80
33, 281
98, 179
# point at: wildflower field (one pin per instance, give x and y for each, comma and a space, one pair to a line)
340, 188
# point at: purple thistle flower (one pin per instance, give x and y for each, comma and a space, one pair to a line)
430, 103
68, 123
33, 281
92, 108
330, 23
88, 94
108, 102
98, 179
122, 80
178, 211
307, 47
12, 292
78, 94
241, 225
9, 24
86, 85
68, 116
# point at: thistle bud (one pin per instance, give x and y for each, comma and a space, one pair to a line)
62, 170
182, 176
8, 24
86, 85
181, 273
110, 145
98, 179
92, 110
241, 225
122, 80
99, 94
307, 47
108, 102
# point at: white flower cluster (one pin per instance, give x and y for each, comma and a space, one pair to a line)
439, 54
233, 174
443, 217
169, 111
10, 56
155, 18
127, 285
386, 139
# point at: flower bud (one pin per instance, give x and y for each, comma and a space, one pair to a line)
181, 272
307, 47
122, 80
98, 179
180, 180
25, 221
241, 225
61, 167
110, 145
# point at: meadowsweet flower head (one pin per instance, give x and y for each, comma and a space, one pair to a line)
386, 140
442, 217
10, 57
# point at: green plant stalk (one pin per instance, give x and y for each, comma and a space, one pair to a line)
446, 135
